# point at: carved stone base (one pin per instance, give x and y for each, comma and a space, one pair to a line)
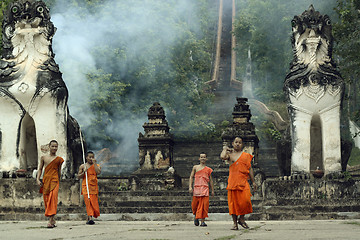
154, 180
21, 173
313, 190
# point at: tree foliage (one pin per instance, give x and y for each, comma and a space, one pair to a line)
168, 62
127, 80
264, 26
347, 37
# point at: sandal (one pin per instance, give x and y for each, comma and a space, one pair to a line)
196, 222
234, 228
50, 225
90, 222
243, 224
203, 224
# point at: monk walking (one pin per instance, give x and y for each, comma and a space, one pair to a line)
49, 187
238, 186
200, 202
91, 183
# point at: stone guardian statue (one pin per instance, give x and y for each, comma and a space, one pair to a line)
314, 90
33, 95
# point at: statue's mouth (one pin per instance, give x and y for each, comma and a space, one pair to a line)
313, 40
29, 23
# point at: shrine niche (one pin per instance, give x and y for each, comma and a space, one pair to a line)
156, 166
156, 145
243, 128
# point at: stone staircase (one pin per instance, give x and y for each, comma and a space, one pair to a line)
276, 200
268, 161
284, 200
186, 155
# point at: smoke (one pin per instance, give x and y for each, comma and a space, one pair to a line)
266, 29
85, 42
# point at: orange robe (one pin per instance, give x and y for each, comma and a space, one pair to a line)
92, 203
238, 186
200, 202
50, 188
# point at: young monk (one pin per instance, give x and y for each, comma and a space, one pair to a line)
238, 187
200, 202
49, 187
91, 201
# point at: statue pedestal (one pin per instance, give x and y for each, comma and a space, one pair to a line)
311, 191
154, 180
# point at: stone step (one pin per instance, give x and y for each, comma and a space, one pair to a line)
188, 216
183, 160
123, 197
146, 193
283, 212
137, 196
156, 203
310, 209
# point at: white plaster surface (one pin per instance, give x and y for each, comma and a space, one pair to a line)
327, 107
31, 50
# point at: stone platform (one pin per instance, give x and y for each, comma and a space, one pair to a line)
108, 230
275, 200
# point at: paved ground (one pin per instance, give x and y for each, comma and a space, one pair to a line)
279, 230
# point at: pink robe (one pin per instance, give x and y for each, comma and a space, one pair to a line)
200, 202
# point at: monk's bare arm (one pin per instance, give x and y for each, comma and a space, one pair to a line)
225, 154
251, 173
191, 179
59, 171
81, 172
97, 167
39, 172
212, 186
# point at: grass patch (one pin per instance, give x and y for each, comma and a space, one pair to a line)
36, 227
255, 228
354, 157
353, 223
146, 229
226, 237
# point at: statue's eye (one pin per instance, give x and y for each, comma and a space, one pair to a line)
40, 9
15, 10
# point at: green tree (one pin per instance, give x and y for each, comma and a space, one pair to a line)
3, 6
170, 67
347, 37
264, 26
